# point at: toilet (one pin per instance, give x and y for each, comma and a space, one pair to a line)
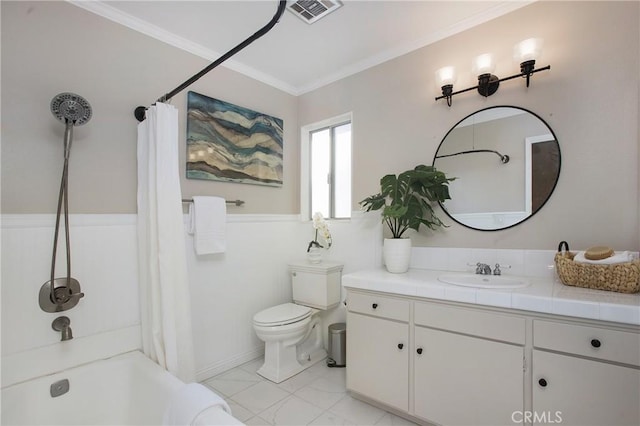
292, 332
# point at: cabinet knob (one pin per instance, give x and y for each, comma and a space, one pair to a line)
400, 346
595, 343
419, 350
374, 306
543, 383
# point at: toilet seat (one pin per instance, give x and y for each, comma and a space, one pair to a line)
284, 314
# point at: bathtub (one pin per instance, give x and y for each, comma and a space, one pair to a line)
128, 389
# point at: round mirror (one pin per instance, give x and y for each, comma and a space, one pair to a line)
506, 161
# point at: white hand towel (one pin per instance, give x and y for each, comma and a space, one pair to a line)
617, 257
189, 402
208, 223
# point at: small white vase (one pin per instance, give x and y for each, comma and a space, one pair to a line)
397, 254
314, 255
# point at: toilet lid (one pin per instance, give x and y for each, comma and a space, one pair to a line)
286, 313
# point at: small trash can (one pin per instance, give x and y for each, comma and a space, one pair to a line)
337, 356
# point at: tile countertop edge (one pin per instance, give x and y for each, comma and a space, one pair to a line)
542, 295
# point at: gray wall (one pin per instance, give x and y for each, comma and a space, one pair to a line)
589, 98
53, 47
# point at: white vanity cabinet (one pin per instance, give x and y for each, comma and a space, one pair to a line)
586, 375
468, 366
378, 348
456, 363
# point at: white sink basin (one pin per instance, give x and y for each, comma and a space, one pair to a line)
483, 281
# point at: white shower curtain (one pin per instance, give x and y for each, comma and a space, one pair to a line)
164, 295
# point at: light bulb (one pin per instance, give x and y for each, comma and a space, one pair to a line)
483, 64
528, 50
446, 76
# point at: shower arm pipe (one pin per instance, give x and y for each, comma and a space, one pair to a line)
503, 158
140, 111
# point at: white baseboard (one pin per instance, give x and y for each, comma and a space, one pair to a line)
229, 363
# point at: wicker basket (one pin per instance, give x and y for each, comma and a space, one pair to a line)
619, 277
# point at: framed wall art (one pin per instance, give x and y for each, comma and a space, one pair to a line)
226, 142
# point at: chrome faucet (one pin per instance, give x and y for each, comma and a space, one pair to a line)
483, 269
496, 270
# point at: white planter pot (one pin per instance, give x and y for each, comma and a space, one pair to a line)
314, 255
397, 254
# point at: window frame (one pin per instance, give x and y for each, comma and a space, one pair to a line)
305, 163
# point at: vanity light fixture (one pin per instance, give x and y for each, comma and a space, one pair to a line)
446, 78
526, 52
483, 66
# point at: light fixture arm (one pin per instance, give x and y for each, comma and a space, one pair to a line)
526, 73
526, 69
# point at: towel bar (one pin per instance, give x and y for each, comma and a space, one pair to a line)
236, 202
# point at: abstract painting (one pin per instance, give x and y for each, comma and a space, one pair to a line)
226, 142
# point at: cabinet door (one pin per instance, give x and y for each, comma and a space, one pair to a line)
378, 359
462, 380
585, 392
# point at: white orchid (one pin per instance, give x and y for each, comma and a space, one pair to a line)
321, 226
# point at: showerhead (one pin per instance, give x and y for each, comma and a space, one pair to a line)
71, 108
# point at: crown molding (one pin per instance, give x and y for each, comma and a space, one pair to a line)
372, 61
111, 13
104, 10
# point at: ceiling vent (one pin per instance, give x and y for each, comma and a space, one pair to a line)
312, 10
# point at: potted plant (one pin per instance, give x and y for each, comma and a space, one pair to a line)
406, 203
314, 248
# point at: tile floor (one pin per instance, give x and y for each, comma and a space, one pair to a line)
316, 396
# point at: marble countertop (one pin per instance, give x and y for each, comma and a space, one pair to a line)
542, 295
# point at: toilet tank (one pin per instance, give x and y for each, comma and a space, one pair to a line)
316, 285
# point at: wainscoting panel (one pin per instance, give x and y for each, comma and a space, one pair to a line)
103, 260
226, 289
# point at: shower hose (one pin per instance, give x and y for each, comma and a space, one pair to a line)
61, 294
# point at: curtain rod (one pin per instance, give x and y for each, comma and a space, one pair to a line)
503, 158
139, 112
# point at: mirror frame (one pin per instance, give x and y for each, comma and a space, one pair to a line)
550, 192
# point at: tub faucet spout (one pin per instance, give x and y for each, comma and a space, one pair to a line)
63, 325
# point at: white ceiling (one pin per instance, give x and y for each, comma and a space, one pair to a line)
295, 56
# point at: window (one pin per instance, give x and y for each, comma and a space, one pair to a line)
326, 168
